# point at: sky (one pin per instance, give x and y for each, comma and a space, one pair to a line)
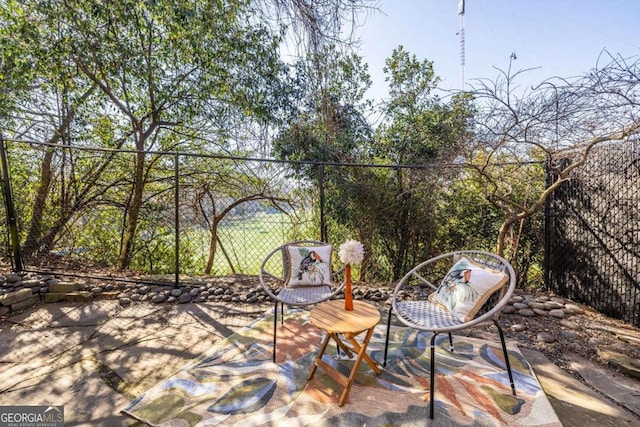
556, 37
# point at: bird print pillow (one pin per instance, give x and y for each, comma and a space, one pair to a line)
309, 265
466, 287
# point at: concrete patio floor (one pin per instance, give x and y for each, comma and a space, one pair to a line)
94, 358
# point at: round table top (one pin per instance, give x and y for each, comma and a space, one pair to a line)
333, 318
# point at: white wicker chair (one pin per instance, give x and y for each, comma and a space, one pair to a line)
412, 307
274, 273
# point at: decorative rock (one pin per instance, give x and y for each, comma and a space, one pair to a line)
518, 327
536, 305
55, 297
135, 297
569, 324
509, 309
172, 299
177, 293
32, 283
526, 313
515, 298
106, 295
552, 305
64, 287
184, 298
32, 300
573, 309
159, 298
570, 335
124, 301
520, 305
546, 337
557, 313
540, 312
4, 310
12, 278
194, 292
14, 297
79, 296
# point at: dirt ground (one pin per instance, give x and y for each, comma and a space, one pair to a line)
597, 336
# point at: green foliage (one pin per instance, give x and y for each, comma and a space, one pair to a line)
399, 206
466, 219
202, 78
329, 124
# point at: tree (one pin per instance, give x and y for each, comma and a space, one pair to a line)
418, 129
558, 122
222, 187
330, 125
160, 68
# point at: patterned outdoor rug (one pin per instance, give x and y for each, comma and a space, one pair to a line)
236, 384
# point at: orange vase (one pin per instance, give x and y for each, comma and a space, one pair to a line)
348, 297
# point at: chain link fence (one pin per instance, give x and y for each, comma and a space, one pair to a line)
593, 233
220, 215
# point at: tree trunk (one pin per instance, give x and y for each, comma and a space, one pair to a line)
34, 235
212, 247
502, 234
126, 246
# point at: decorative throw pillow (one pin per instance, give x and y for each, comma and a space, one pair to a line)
466, 287
309, 265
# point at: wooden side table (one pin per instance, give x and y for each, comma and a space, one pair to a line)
331, 317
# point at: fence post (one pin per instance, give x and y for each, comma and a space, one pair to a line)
323, 224
11, 212
176, 199
547, 229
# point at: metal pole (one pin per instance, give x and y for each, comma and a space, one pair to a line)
11, 213
177, 216
548, 211
323, 225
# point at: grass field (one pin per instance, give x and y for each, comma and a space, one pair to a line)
246, 242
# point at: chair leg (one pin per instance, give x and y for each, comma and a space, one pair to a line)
432, 379
450, 343
386, 342
275, 329
506, 357
281, 313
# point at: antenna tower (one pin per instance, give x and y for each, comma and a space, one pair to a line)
461, 32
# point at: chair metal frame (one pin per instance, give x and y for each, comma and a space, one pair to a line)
297, 296
429, 316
